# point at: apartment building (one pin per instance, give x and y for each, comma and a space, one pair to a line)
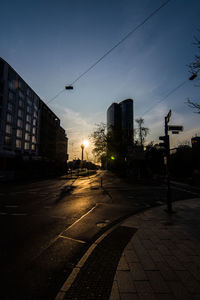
19, 114
28, 128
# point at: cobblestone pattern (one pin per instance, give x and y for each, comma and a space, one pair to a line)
95, 279
162, 260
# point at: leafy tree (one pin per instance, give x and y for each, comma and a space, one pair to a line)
99, 138
194, 69
141, 131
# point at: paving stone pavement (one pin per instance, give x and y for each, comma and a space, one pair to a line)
162, 259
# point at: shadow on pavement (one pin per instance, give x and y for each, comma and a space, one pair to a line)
95, 279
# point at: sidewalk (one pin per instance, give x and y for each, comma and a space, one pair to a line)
151, 255
162, 260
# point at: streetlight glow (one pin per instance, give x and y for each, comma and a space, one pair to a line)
85, 143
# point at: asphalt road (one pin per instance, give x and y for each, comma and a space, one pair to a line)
47, 226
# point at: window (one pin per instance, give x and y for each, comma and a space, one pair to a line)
21, 84
18, 143
34, 130
35, 107
28, 92
11, 85
28, 127
29, 109
20, 113
35, 114
27, 136
10, 106
7, 140
8, 129
26, 146
34, 122
11, 96
33, 139
19, 133
28, 118
9, 118
21, 103
29, 101
19, 123
36, 100
21, 95
33, 147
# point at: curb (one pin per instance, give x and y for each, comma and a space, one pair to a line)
71, 278
69, 281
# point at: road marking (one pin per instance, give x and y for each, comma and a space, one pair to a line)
11, 206
184, 190
69, 238
3, 213
82, 216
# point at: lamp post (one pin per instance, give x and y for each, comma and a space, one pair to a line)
82, 147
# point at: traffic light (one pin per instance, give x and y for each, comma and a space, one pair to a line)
69, 87
165, 140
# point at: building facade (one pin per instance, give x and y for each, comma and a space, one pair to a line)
28, 128
53, 142
19, 114
120, 131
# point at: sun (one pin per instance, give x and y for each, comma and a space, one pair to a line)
85, 143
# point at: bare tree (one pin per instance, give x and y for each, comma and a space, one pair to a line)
194, 69
141, 131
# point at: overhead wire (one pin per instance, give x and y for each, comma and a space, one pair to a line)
170, 93
114, 47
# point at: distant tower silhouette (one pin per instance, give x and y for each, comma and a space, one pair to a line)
120, 117
120, 133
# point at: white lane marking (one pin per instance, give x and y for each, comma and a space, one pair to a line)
82, 217
11, 206
69, 238
3, 213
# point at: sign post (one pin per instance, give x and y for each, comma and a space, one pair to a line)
169, 193
175, 130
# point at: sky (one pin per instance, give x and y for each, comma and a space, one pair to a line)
50, 43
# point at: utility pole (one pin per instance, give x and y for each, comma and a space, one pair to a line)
175, 130
169, 193
166, 145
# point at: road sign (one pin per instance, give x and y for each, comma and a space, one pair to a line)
165, 140
167, 118
175, 128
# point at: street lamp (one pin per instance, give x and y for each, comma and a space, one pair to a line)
83, 145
